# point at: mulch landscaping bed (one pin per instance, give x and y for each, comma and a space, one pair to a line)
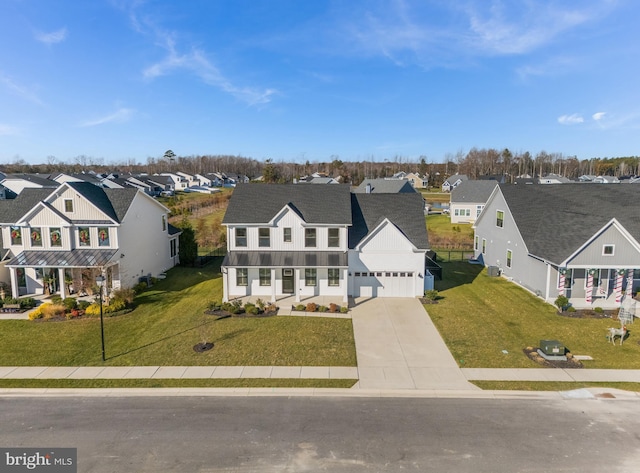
533, 355
224, 313
590, 314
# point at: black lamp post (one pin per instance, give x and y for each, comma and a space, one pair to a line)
100, 283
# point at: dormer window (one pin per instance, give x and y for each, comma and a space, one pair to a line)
68, 205
608, 250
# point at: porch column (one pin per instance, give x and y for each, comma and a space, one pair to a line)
618, 285
297, 285
629, 291
345, 282
14, 283
63, 289
273, 284
589, 294
561, 280
225, 284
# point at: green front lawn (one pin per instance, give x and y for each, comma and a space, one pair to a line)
479, 317
168, 321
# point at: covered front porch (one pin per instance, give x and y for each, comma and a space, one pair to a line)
606, 288
66, 273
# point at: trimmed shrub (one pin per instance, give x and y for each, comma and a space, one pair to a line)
70, 303
571, 309
140, 287
322, 308
214, 305
344, 309
311, 307
561, 302
92, 309
126, 294
56, 299
36, 314
300, 307
598, 310
251, 309
116, 305
431, 295
27, 303
82, 305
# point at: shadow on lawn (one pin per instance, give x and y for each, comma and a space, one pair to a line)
199, 328
457, 273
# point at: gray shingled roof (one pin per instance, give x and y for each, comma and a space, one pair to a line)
385, 186
259, 203
473, 191
14, 209
113, 202
555, 221
406, 211
39, 179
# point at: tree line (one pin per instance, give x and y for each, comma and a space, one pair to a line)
475, 163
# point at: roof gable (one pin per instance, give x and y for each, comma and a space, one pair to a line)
555, 221
260, 203
405, 211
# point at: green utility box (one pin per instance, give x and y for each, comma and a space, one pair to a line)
552, 347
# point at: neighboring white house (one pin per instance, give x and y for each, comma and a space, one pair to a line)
468, 199
304, 241
18, 182
179, 182
553, 179
580, 241
77, 231
452, 182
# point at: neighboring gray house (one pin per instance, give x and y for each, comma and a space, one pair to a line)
384, 186
554, 179
468, 199
577, 240
453, 181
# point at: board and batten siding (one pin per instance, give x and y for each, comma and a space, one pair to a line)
144, 246
625, 253
82, 208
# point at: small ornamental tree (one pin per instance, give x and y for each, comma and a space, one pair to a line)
188, 246
561, 302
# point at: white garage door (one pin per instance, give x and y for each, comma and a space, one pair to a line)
384, 284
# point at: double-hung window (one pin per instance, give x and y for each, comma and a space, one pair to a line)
242, 278
334, 238
286, 232
241, 237
499, 218
310, 237
265, 277
310, 277
334, 276
509, 256
264, 237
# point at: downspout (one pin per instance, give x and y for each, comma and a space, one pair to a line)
546, 295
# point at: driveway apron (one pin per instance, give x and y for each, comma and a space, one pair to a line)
398, 347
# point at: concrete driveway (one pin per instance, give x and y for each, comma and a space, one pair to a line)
398, 347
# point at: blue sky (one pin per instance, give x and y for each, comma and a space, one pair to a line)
297, 80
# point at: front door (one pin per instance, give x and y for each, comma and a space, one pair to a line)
287, 281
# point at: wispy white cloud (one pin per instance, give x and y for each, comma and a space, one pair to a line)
598, 116
454, 32
18, 89
8, 130
53, 37
573, 119
119, 116
195, 61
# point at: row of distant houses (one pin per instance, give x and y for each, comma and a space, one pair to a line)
455, 180
154, 185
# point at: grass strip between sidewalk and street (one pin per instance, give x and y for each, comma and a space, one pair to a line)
550, 385
178, 383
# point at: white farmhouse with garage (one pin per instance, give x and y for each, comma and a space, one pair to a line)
304, 241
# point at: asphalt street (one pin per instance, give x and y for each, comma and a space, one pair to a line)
292, 434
